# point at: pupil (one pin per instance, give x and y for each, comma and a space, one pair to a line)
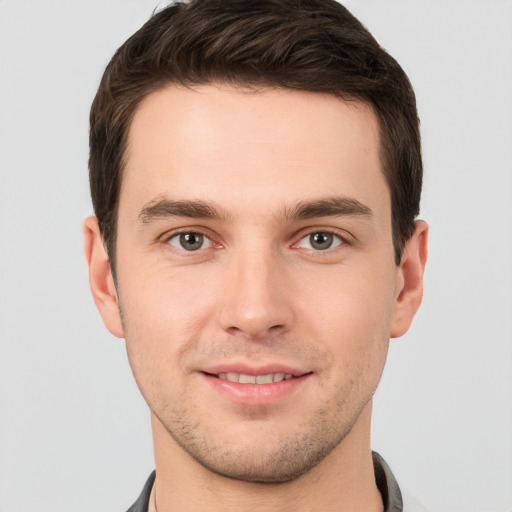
321, 241
191, 241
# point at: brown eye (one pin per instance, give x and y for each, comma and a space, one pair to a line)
189, 241
320, 241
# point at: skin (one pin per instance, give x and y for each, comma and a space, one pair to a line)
258, 294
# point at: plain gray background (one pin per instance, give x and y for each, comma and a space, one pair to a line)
74, 432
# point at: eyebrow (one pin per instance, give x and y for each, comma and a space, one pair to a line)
163, 208
327, 207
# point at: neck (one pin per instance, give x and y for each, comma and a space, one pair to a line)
342, 481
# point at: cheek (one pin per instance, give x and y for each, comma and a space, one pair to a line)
353, 312
165, 301
355, 333
163, 316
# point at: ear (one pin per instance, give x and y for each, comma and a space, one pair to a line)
409, 280
100, 277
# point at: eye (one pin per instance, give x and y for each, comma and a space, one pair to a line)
190, 241
320, 241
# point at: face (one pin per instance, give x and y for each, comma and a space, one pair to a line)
256, 275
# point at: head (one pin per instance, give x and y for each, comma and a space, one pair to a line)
316, 46
255, 172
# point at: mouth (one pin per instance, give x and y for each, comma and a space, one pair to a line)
243, 378
256, 386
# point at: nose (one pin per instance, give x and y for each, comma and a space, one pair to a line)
257, 300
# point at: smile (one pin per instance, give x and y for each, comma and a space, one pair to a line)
256, 387
254, 379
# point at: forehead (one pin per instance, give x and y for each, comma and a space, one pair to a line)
186, 141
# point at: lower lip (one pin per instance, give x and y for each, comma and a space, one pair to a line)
256, 394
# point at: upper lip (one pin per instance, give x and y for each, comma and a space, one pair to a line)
246, 369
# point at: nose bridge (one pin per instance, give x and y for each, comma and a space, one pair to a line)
255, 301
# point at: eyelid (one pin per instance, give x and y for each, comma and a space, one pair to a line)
167, 236
206, 242
343, 236
337, 241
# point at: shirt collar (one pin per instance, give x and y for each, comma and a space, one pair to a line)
387, 485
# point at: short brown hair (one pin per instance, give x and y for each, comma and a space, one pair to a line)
311, 45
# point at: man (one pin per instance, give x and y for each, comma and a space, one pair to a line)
255, 171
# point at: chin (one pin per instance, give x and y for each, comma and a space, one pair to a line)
258, 456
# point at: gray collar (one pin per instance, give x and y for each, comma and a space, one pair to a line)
387, 485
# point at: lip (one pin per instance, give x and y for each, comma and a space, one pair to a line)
247, 369
255, 394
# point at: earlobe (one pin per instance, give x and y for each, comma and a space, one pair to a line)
409, 289
100, 277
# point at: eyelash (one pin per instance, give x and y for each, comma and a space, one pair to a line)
167, 240
338, 239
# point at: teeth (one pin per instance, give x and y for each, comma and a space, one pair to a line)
255, 379
233, 377
264, 379
247, 379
